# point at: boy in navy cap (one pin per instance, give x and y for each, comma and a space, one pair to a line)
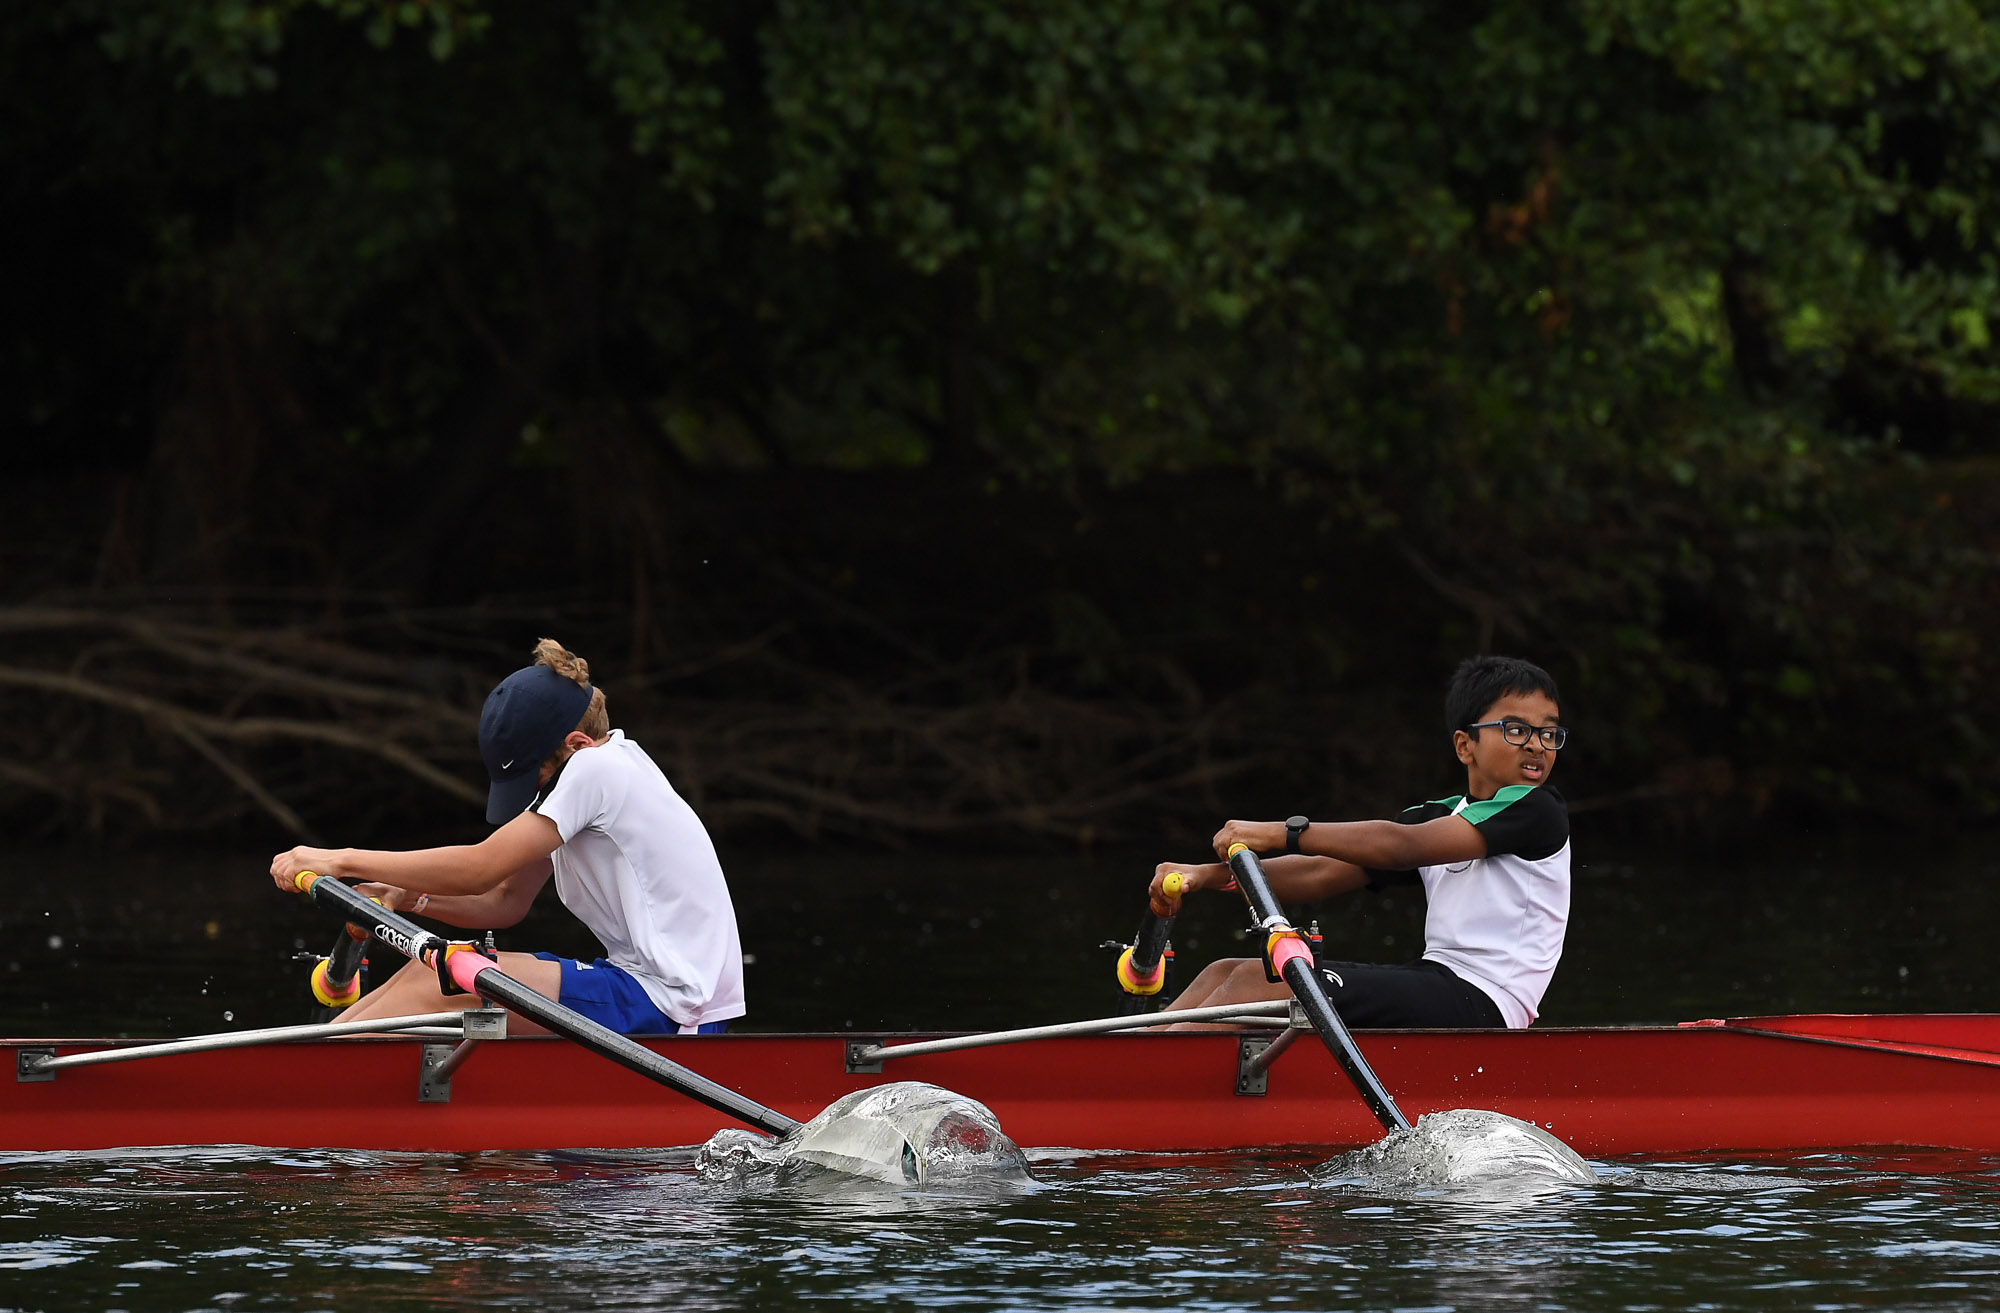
1494, 863
576, 800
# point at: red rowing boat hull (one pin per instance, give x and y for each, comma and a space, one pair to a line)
1757, 1084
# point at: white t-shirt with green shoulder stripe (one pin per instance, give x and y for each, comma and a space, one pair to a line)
1498, 921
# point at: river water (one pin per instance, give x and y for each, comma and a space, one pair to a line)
248, 1230
90, 944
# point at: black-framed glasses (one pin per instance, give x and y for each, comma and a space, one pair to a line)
1518, 732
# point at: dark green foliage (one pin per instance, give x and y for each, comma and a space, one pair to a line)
1651, 340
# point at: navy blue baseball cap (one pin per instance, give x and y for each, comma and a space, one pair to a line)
525, 719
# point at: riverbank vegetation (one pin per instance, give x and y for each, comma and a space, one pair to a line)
1014, 416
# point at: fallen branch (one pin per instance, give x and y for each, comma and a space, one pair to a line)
249, 730
186, 643
749, 734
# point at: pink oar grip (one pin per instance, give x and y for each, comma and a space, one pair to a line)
1287, 949
465, 968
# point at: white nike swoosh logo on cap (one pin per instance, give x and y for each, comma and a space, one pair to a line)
506, 765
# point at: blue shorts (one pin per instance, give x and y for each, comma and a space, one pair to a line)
610, 996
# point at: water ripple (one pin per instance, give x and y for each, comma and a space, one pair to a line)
243, 1228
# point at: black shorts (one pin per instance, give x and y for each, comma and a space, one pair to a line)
1418, 994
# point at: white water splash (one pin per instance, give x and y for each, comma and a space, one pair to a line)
1466, 1148
905, 1133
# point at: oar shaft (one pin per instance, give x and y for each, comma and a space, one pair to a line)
1150, 944
343, 964
1141, 970
496, 985
336, 978
1310, 991
480, 976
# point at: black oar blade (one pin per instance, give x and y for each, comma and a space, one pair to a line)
1310, 991
420, 945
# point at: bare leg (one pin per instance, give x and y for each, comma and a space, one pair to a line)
1230, 980
414, 990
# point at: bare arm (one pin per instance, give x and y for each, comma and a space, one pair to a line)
461, 869
1382, 845
499, 907
1294, 879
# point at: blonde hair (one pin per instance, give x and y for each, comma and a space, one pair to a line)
596, 720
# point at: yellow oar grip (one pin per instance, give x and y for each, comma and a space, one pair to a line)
1175, 884
303, 881
1236, 848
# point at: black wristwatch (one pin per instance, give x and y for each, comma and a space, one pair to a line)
1294, 827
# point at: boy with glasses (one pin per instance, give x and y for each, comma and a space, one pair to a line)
1494, 863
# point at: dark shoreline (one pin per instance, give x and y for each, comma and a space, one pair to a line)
897, 660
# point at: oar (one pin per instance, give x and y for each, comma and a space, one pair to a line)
1142, 970
1292, 960
462, 965
336, 978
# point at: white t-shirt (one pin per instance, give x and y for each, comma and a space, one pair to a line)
637, 867
1498, 921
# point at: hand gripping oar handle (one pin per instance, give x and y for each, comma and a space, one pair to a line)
477, 975
1292, 960
1142, 968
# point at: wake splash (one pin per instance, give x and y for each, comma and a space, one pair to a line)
1467, 1152
902, 1134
